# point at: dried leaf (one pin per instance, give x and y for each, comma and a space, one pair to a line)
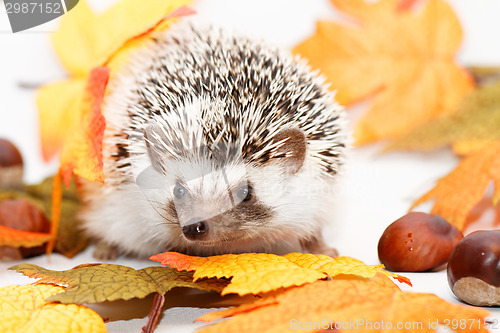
476, 124
253, 273
18, 238
58, 109
404, 59
353, 303
82, 154
457, 193
93, 283
71, 239
23, 309
85, 41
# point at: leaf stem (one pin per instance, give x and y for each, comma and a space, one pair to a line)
154, 313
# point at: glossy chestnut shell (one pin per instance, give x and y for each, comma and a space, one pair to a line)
9, 154
474, 268
417, 242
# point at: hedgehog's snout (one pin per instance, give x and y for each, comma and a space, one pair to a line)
195, 229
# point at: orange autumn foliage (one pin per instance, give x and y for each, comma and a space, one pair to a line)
82, 154
345, 300
253, 273
457, 193
17, 238
403, 58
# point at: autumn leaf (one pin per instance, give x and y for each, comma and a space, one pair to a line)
342, 301
18, 238
85, 41
58, 109
473, 126
71, 239
253, 273
82, 155
23, 309
403, 58
457, 193
94, 283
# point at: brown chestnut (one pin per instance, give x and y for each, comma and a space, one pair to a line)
417, 242
11, 165
474, 268
23, 215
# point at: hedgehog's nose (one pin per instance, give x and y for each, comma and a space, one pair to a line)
195, 229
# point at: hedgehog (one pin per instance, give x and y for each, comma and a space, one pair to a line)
215, 143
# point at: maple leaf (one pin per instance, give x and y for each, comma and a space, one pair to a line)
94, 283
253, 273
85, 41
23, 309
340, 302
17, 238
404, 59
82, 155
473, 126
457, 193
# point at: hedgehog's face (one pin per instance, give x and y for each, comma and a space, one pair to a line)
233, 206
217, 207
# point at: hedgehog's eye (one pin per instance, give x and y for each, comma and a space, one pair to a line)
245, 193
179, 191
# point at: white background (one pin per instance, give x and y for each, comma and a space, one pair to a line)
375, 190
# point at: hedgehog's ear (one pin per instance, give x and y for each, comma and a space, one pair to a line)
292, 152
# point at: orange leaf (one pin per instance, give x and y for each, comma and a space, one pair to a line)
404, 59
254, 273
57, 194
86, 40
17, 238
354, 305
83, 153
457, 193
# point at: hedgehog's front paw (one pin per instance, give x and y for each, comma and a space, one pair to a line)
316, 245
104, 251
329, 251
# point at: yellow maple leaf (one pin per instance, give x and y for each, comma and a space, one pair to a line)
346, 305
84, 41
253, 273
457, 193
404, 59
23, 309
